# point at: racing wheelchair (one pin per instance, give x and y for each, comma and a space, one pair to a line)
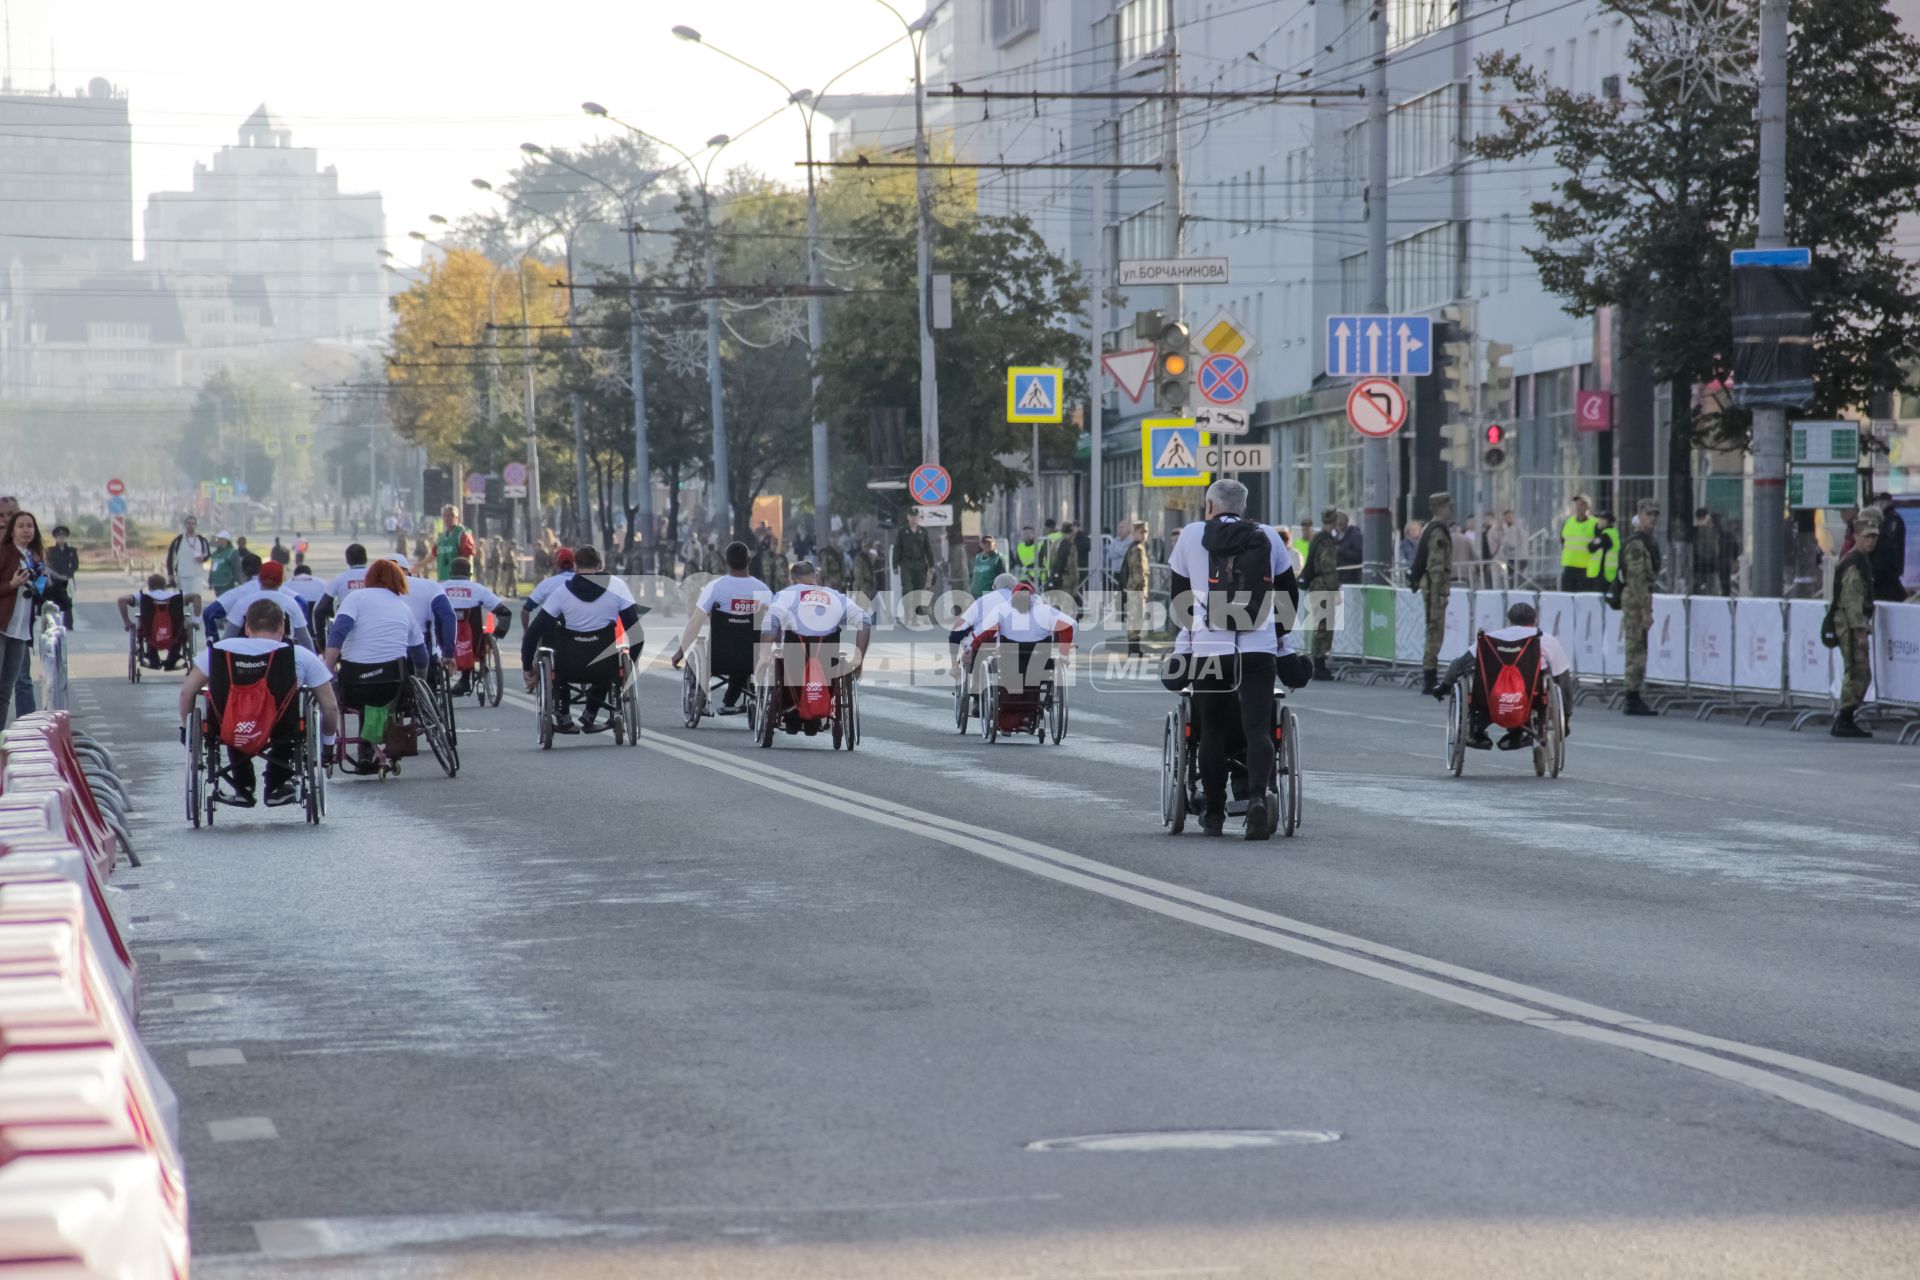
1029, 699
723, 661
588, 663
415, 711
163, 625
1507, 686
1181, 793
252, 707
817, 703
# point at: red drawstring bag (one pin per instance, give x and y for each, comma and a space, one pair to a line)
162, 632
463, 642
1508, 702
255, 692
814, 700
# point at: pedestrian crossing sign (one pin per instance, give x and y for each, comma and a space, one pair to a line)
1035, 394
1172, 452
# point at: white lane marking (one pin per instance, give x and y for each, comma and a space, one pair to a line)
216, 1058
171, 954
1645, 751
242, 1129
198, 1002
1421, 974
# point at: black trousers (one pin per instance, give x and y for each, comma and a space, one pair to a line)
1234, 692
1573, 578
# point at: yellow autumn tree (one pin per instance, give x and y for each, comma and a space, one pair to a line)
437, 359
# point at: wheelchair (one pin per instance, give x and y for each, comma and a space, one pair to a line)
585, 661
417, 712
160, 621
1546, 719
298, 727
726, 654
782, 708
477, 657
1181, 793
1028, 705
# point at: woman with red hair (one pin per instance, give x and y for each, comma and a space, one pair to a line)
373, 637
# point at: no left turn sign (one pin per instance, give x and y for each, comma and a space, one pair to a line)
1377, 407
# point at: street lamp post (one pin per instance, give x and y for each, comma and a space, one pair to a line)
716, 391
526, 356
583, 526
636, 338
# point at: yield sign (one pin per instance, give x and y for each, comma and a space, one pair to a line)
1131, 369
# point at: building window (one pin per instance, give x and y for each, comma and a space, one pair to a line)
1014, 19
1143, 132
1426, 133
1353, 284
1423, 270
1142, 30
1143, 235
1408, 20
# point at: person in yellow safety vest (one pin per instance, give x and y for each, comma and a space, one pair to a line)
1576, 555
1026, 556
1606, 553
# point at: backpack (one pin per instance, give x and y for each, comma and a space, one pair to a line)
1507, 672
463, 640
813, 700
1239, 575
252, 706
1508, 703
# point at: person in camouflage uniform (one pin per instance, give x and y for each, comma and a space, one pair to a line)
912, 556
716, 565
1433, 572
833, 564
1633, 593
866, 573
1323, 589
1851, 619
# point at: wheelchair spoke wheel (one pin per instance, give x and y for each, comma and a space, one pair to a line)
1556, 732
961, 693
313, 779
1057, 712
426, 705
133, 658
990, 709
767, 716
1287, 764
196, 771
496, 675
693, 690
630, 705
543, 691
1457, 728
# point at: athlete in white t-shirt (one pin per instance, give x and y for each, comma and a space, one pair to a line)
732, 603
809, 611
1523, 621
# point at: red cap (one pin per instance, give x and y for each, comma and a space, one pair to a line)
563, 558
272, 573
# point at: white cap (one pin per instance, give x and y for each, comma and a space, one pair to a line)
223, 534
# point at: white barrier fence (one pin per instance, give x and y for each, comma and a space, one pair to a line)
1706, 650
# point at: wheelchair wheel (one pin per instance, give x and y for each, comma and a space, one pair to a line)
990, 708
763, 730
433, 725
443, 692
543, 691
133, 657
1286, 765
1457, 728
1057, 712
962, 692
1554, 735
196, 772
693, 690
629, 696
313, 778
1173, 771
845, 722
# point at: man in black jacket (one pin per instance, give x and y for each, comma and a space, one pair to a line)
1890, 557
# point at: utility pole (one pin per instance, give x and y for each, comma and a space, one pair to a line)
716, 393
1376, 528
637, 363
1096, 314
1767, 529
1170, 156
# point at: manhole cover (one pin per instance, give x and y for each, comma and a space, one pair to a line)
1188, 1140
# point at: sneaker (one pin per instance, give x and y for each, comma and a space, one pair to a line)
1480, 741
733, 710
1515, 740
1259, 818
236, 797
1213, 824
1637, 706
282, 794
565, 725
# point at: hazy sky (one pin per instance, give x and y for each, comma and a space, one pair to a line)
415, 99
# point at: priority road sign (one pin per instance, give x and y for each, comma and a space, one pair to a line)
116, 486
1035, 393
1362, 346
1172, 453
1223, 379
1377, 407
930, 484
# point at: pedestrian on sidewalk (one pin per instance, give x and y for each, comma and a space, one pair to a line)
1633, 596
1850, 622
63, 562
1135, 574
23, 584
987, 565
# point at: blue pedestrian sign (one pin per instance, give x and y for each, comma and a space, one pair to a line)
116, 505
1035, 394
1172, 452
1372, 346
930, 484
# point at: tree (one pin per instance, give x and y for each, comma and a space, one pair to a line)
1663, 182
1014, 302
239, 428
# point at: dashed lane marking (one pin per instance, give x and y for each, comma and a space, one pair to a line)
216, 1058
242, 1129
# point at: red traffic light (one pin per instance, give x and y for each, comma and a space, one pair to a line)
1496, 434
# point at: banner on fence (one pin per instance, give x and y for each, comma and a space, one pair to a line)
1556, 618
1811, 670
1896, 667
1379, 639
1710, 641
1347, 640
1759, 637
1489, 610
1459, 633
1667, 641
1589, 634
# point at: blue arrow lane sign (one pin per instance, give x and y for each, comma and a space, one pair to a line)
1374, 346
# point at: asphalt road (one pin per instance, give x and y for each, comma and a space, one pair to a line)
698, 1009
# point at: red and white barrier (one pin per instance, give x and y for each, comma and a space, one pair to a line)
91, 1182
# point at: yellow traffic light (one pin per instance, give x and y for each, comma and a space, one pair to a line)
1174, 364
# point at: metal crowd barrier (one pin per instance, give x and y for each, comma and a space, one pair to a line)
50, 671
1759, 658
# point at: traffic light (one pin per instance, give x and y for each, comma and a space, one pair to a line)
1172, 368
1499, 379
1454, 451
1496, 445
1455, 371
